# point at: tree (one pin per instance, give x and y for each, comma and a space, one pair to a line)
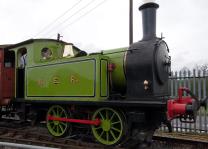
203, 68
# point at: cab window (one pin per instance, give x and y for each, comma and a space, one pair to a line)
22, 57
68, 51
46, 53
72, 51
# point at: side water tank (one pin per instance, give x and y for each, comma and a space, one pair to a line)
117, 76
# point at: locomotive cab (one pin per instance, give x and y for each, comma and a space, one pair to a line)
27, 54
49, 69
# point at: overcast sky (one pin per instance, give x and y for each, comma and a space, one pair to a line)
183, 24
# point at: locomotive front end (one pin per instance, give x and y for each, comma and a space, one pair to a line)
147, 69
147, 61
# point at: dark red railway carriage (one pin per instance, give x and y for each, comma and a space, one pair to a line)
7, 75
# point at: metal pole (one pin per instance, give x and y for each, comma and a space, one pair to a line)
130, 22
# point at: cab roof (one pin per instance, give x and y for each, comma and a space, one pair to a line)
4, 46
33, 40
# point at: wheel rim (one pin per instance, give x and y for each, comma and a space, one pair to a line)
57, 128
111, 129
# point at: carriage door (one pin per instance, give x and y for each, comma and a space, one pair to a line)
8, 75
1, 71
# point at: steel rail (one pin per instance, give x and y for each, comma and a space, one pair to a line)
182, 138
23, 146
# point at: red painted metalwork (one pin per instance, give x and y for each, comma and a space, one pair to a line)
96, 122
1, 72
111, 67
177, 107
7, 82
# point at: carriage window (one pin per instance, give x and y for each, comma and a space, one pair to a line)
9, 59
46, 53
7, 64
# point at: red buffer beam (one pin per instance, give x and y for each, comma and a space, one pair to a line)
182, 105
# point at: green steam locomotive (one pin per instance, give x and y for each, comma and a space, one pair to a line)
113, 95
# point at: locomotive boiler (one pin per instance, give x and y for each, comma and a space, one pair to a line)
114, 95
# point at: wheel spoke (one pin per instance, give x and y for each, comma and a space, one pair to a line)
57, 111
107, 136
115, 122
57, 128
62, 123
101, 134
112, 134
106, 115
111, 129
54, 113
51, 122
53, 127
116, 129
98, 127
112, 116
62, 111
62, 130
102, 117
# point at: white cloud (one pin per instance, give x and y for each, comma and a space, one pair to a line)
183, 23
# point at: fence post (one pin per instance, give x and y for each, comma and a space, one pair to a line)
176, 94
194, 90
180, 85
185, 85
173, 76
171, 84
189, 86
199, 96
204, 95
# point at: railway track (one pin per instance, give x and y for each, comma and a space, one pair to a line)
24, 134
180, 140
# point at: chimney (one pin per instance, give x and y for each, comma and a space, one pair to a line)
148, 9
